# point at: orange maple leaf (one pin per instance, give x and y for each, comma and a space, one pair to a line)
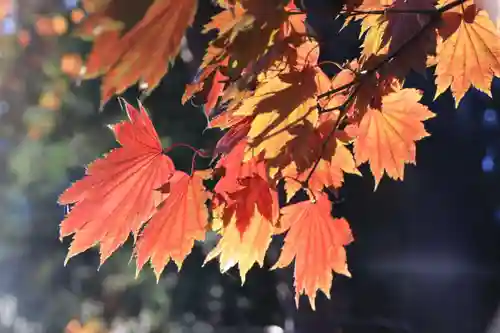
179, 221
233, 137
116, 197
316, 240
386, 137
215, 91
236, 46
469, 54
124, 58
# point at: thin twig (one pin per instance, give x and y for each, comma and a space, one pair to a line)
436, 15
392, 10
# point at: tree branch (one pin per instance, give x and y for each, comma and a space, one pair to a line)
435, 16
392, 10
359, 79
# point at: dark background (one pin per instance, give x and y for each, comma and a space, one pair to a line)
425, 257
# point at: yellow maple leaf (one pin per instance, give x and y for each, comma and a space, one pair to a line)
243, 250
280, 103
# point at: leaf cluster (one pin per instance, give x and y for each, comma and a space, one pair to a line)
286, 123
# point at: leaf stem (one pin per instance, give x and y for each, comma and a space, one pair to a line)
185, 145
197, 152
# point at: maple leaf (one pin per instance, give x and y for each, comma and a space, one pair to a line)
316, 240
386, 137
237, 44
244, 187
235, 169
469, 54
215, 92
124, 59
116, 197
280, 103
179, 221
334, 161
255, 193
243, 250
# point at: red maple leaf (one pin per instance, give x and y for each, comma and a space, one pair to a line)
255, 193
117, 195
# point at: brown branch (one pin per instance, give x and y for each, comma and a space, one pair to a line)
391, 11
338, 89
359, 79
436, 15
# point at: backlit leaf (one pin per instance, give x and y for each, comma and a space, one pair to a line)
135, 55
180, 220
469, 54
117, 195
243, 250
386, 137
316, 241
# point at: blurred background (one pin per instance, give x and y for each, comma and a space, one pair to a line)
426, 255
